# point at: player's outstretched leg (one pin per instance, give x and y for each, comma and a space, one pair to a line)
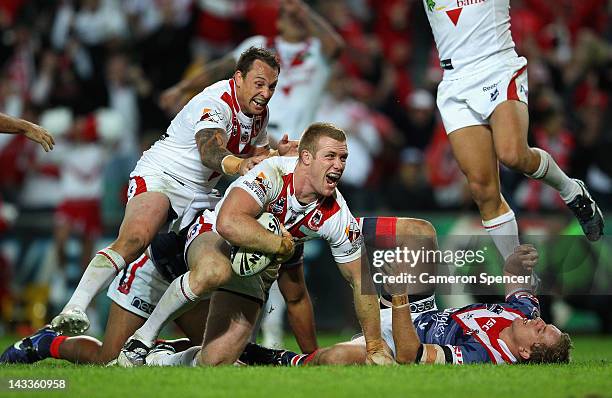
144, 216
33, 348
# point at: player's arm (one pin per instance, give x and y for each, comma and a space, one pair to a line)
520, 265
214, 154
209, 74
331, 42
292, 285
405, 337
34, 132
368, 314
236, 223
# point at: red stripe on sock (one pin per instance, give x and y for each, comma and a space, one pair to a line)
497, 225
386, 232
55, 345
109, 259
310, 357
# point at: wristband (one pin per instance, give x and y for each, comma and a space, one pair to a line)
230, 165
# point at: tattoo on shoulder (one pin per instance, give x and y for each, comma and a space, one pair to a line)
211, 145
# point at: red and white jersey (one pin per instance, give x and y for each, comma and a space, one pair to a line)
470, 34
81, 171
270, 183
216, 107
301, 83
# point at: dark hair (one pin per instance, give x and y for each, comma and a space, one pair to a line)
556, 353
310, 137
251, 54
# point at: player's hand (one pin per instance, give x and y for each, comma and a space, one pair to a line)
248, 163
377, 355
38, 134
287, 147
170, 98
287, 247
522, 261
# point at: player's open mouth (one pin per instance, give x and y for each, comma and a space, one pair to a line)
260, 103
332, 179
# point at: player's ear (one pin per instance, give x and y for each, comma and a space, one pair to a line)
524, 352
238, 78
306, 157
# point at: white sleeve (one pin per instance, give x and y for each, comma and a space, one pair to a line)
211, 114
343, 235
255, 41
260, 182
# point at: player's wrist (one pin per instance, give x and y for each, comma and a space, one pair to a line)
230, 165
399, 301
273, 152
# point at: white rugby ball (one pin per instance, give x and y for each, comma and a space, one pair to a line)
248, 262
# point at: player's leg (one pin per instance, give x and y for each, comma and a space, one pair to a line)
510, 122
144, 216
208, 260
192, 323
47, 343
347, 353
474, 151
230, 322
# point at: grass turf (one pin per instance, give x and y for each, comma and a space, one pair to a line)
589, 375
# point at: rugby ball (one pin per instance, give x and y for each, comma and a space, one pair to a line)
249, 262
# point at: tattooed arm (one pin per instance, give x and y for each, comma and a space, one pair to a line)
214, 154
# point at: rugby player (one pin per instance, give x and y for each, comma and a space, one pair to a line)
306, 46
301, 192
500, 333
12, 125
222, 130
483, 103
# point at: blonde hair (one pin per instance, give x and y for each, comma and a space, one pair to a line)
310, 138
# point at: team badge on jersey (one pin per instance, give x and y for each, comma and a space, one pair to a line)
278, 206
210, 115
315, 220
353, 232
430, 5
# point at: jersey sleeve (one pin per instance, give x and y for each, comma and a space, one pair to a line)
343, 234
261, 182
524, 302
211, 114
255, 41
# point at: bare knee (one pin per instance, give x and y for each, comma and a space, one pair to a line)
421, 228
517, 158
484, 190
130, 246
208, 275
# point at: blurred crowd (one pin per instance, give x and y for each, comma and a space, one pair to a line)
91, 71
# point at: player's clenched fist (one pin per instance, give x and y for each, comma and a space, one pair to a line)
377, 355
286, 248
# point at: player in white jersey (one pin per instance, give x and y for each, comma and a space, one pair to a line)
306, 46
483, 102
214, 134
302, 195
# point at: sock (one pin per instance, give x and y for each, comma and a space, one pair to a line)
289, 358
183, 358
176, 297
55, 346
504, 232
105, 265
272, 325
550, 172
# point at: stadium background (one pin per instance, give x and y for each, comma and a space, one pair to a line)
119, 55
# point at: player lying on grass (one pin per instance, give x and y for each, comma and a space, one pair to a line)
301, 193
509, 332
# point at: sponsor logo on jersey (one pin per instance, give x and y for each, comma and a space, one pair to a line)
278, 206
430, 5
494, 94
257, 125
142, 305
455, 13
353, 232
458, 355
210, 115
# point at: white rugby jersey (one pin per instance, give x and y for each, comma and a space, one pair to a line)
270, 183
470, 34
176, 153
82, 171
301, 83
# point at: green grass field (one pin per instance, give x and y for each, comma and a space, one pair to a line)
590, 375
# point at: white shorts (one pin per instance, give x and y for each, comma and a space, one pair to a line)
138, 287
184, 200
469, 101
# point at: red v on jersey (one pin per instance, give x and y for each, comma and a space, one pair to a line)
454, 15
